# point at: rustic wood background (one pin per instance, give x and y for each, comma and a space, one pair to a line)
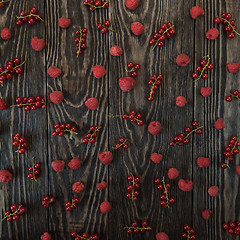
78, 83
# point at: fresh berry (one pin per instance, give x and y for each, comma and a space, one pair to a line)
133, 188
99, 71
91, 136
92, 103
84, 236
206, 92
116, 51
185, 185
213, 191
47, 201
154, 82
54, 72
154, 127
182, 60
181, 101
80, 40
206, 214
93, 5
105, 207
106, 157
203, 162
64, 22
46, 236
58, 165
56, 97
104, 28
212, 34
196, 11
162, 236
34, 170
3, 105
30, 103
233, 67
189, 233
102, 185
17, 210
173, 173
75, 163
135, 228
132, 4
31, 18
78, 187
6, 34
20, 142
156, 157
72, 204
219, 124
137, 28
5, 176
122, 143
233, 228
38, 44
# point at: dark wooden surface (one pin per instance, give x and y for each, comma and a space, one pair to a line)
78, 83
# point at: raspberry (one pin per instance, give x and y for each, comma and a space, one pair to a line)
137, 28
196, 11
54, 72
213, 191
64, 22
156, 158
219, 124
78, 187
185, 185
38, 44
182, 60
105, 207
126, 83
58, 165
206, 92
238, 170
132, 4
5, 176
206, 214
6, 34
181, 101
102, 185
173, 173
46, 236
154, 127
203, 162
162, 236
116, 51
56, 97
99, 71
75, 163
92, 103
106, 157
212, 33
233, 67
3, 105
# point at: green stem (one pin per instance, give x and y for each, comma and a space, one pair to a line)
230, 25
232, 152
120, 145
153, 86
30, 15
71, 133
140, 228
208, 60
133, 183
79, 42
4, 1
165, 191
12, 214
235, 96
13, 68
99, 6
130, 70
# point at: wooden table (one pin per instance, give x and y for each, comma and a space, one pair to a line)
78, 83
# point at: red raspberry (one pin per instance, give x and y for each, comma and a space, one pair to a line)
212, 33
116, 51
3, 105
56, 97
137, 28
162, 236
75, 163
92, 103
58, 165
233, 67
37, 44
185, 185
64, 22
173, 173
78, 187
196, 11
6, 34
126, 83
102, 185
54, 72
206, 92
206, 214
132, 4
203, 162
219, 124
213, 191
99, 71
5, 176
46, 236
183, 60
105, 207
154, 127
106, 157
238, 170
156, 158
181, 101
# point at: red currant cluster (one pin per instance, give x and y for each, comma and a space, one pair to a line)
80, 40
233, 228
133, 69
3, 2
47, 200
154, 82
133, 193
31, 17
34, 170
20, 142
183, 138
135, 228
230, 27
61, 128
133, 116
93, 5
104, 28
122, 143
12, 67
165, 187
72, 204
84, 236
235, 94
166, 31
30, 103
91, 136
189, 234
230, 151
205, 65
14, 214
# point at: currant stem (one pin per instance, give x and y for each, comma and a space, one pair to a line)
71, 133
133, 183
82, 237
208, 60
89, 141
140, 228
120, 145
153, 86
12, 214
13, 68
79, 42
4, 1
30, 15
165, 190
162, 34
34, 176
24, 104
230, 25
235, 96
188, 237
99, 6
129, 70
231, 152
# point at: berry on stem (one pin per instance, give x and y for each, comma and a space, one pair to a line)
132, 189
34, 170
84, 236
47, 201
30, 103
93, 5
104, 28
122, 143
15, 213
62, 128
32, 17
154, 82
20, 143
91, 136
135, 228
72, 204
189, 233
80, 40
